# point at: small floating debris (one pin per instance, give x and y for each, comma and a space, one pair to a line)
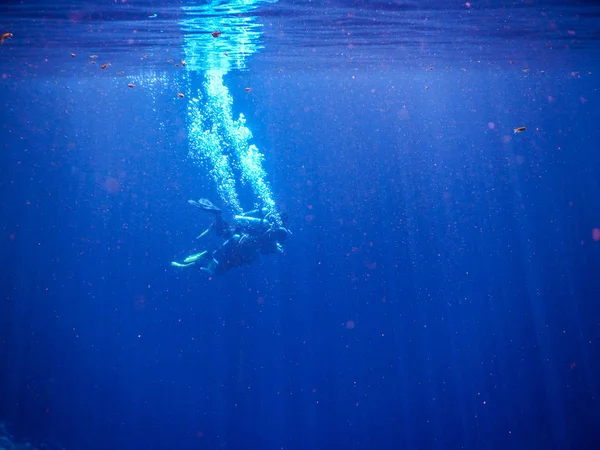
72, 55
105, 65
131, 85
4, 37
248, 89
519, 129
180, 95
216, 34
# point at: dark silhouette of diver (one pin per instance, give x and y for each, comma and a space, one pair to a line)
255, 232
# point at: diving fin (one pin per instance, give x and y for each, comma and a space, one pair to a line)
176, 264
204, 204
193, 258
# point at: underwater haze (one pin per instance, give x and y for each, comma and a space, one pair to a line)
435, 162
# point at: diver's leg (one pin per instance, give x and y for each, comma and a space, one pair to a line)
222, 228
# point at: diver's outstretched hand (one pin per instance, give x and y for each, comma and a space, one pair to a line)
205, 205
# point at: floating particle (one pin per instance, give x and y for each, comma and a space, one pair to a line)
4, 37
72, 55
216, 34
112, 186
519, 129
131, 85
248, 89
105, 65
180, 95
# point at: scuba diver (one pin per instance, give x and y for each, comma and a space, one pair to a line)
255, 232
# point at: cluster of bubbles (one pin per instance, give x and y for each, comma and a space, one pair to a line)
217, 140
206, 141
219, 36
222, 143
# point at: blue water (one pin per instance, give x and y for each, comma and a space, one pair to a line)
440, 289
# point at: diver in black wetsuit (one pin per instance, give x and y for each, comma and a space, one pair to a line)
255, 232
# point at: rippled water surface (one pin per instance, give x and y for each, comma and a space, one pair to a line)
62, 35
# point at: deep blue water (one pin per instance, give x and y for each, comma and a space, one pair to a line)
440, 289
